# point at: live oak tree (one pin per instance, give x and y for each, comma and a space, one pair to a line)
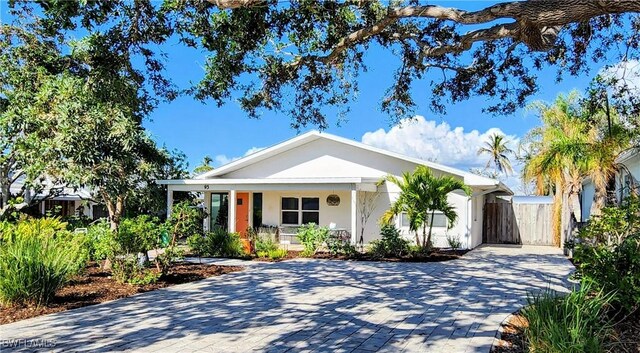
93, 103
303, 57
26, 61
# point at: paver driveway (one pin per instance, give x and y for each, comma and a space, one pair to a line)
315, 305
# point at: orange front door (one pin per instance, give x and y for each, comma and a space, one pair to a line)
242, 213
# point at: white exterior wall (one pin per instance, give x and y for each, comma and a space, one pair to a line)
586, 200
477, 204
340, 215
322, 158
325, 159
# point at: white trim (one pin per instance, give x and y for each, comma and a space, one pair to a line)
219, 181
354, 216
231, 218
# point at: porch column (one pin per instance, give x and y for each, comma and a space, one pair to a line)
169, 200
232, 211
207, 209
354, 216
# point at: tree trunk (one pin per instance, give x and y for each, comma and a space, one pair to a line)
557, 212
599, 201
115, 210
430, 229
424, 234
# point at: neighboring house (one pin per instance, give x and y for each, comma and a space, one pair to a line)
61, 201
626, 182
321, 178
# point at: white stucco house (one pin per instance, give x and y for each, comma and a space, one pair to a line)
626, 181
321, 178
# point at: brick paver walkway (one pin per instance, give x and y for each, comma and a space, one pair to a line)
314, 305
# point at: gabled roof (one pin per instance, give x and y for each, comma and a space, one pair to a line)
469, 178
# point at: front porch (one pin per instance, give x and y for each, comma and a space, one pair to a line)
240, 204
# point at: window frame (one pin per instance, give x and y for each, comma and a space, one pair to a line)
402, 216
301, 211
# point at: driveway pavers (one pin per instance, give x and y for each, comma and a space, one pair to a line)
313, 306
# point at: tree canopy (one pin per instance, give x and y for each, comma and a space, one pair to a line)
302, 57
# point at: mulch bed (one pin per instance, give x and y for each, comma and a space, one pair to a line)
625, 337
435, 256
96, 286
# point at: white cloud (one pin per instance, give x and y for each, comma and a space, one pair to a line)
440, 143
222, 159
625, 74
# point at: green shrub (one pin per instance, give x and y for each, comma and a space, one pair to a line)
127, 269
165, 261
454, 242
75, 221
339, 243
613, 269
265, 244
607, 252
217, 243
391, 243
34, 227
575, 323
311, 236
139, 234
186, 220
277, 254
101, 240
196, 244
33, 268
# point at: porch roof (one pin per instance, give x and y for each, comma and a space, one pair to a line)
351, 183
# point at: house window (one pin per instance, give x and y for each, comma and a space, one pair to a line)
61, 208
302, 210
257, 209
439, 220
219, 211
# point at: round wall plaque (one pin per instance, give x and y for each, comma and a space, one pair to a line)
333, 200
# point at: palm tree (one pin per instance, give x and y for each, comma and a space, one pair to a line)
572, 145
498, 150
421, 195
204, 167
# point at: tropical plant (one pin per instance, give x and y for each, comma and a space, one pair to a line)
265, 244
454, 242
273, 254
216, 243
186, 219
390, 244
312, 237
421, 195
570, 145
574, 323
607, 252
497, 147
34, 267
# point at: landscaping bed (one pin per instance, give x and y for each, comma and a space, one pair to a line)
436, 256
96, 286
625, 336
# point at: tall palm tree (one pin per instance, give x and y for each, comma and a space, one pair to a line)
572, 145
421, 195
497, 147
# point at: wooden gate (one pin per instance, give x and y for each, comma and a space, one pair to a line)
518, 223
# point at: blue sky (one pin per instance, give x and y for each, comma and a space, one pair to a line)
204, 129
226, 132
